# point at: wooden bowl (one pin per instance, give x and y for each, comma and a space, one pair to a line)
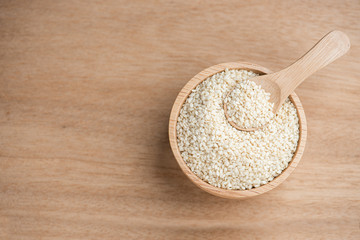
225, 193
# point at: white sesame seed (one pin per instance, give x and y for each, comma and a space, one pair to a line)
224, 156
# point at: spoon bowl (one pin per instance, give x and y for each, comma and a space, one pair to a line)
226, 193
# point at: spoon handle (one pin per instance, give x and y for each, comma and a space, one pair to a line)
328, 49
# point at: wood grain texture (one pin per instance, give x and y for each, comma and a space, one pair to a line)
86, 90
225, 193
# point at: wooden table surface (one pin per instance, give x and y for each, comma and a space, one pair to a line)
86, 88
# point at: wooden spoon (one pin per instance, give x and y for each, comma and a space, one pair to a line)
281, 84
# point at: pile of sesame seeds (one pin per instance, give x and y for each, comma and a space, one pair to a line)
223, 156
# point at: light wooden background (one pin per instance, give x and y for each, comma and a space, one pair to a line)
86, 89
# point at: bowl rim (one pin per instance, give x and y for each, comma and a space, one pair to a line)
227, 193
